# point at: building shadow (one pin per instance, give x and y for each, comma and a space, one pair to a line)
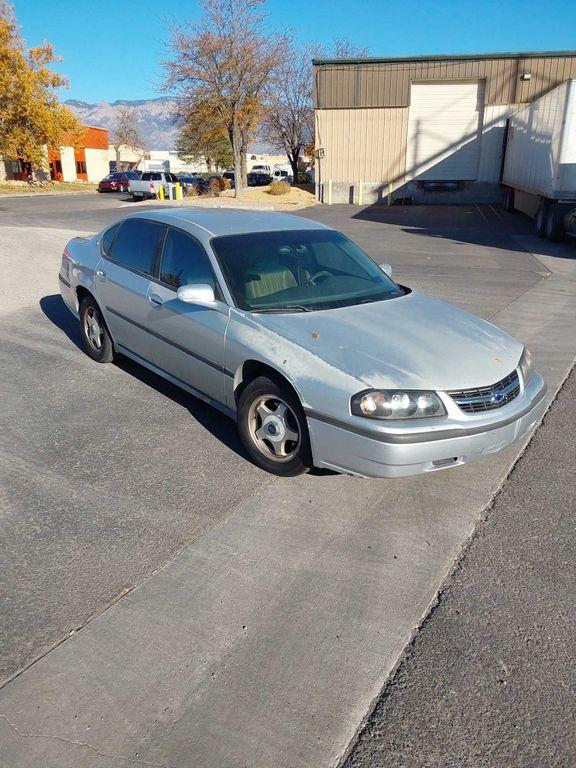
485, 225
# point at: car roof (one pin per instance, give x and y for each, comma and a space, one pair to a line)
228, 222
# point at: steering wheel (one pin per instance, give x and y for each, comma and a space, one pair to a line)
323, 273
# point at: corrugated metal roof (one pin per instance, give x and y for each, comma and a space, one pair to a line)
451, 57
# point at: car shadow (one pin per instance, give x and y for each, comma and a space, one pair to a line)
219, 425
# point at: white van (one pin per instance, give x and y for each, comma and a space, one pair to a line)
283, 173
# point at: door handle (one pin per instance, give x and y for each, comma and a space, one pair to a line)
155, 300
100, 274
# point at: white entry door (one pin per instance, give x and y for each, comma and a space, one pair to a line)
444, 129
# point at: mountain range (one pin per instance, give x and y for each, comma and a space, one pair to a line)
156, 121
155, 118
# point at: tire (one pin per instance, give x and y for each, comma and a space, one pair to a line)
540, 220
135, 198
554, 224
508, 200
268, 411
96, 341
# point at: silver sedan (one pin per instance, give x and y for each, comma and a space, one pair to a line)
289, 328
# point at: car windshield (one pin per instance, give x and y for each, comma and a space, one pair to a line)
299, 270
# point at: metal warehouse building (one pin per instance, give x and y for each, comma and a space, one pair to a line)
431, 129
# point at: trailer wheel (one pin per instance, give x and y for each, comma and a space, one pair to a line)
555, 224
541, 218
508, 200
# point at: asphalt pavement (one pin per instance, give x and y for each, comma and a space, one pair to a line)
489, 680
165, 601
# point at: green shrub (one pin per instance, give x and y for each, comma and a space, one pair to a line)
279, 188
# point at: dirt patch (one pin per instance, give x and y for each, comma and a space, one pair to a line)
296, 198
45, 188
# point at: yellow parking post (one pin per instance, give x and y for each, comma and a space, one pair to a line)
178, 192
161, 192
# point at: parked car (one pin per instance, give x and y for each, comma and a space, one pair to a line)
291, 329
256, 179
199, 183
148, 185
261, 169
281, 174
118, 181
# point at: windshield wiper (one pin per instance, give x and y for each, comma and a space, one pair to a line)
286, 308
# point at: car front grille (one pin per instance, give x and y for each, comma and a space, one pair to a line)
488, 398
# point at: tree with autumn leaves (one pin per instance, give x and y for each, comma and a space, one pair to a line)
31, 117
221, 70
235, 81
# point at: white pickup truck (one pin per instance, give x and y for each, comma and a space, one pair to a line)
149, 184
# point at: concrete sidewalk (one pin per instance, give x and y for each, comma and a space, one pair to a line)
265, 642
489, 680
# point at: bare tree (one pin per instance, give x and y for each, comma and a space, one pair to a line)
125, 133
289, 120
344, 49
227, 59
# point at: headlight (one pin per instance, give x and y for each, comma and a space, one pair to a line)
397, 404
525, 364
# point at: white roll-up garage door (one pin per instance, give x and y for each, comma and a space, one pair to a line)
444, 129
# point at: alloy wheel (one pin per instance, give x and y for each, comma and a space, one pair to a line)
93, 328
274, 428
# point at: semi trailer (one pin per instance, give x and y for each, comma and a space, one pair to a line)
539, 168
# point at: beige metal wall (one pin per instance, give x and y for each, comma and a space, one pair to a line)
387, 84
362, 144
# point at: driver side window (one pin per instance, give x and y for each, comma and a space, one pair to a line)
185, 262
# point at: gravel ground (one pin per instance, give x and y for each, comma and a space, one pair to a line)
489, 681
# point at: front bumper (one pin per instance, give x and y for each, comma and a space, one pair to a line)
338, 448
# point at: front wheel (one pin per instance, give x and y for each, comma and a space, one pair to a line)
540, 220
508, 200
273, 429
96, 340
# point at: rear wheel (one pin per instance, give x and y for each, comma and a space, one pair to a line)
554, 224
96, 340
540, 220
273, 429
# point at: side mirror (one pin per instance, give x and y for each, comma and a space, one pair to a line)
201, 294
386, 268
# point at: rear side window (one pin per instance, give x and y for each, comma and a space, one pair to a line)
131, 175
184, 261
108, 239
136, 245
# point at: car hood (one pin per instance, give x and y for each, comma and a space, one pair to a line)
414, 341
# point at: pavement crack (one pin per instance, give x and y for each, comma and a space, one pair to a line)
83, 744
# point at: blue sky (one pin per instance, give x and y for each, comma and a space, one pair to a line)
112, 49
